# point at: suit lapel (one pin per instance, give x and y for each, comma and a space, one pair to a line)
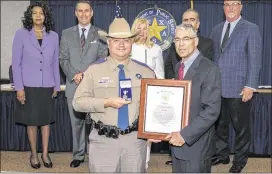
200, 42
77, 38
235, 32
45, 40
34, 39
176, 70
192, 70
219, 35
89, 39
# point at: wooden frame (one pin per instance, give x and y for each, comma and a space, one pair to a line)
172, 100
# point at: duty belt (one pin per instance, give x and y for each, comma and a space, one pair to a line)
113, 131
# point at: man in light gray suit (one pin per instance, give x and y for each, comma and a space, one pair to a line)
79, 47
237, 48
193, 147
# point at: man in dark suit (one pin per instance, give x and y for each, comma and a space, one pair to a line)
238, 54
193, 147
79, 47
205, 45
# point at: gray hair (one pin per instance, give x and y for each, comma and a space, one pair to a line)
187, 27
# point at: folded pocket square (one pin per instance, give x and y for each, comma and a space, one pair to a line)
94, 41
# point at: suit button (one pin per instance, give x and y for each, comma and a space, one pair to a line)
40, 69
41, 52
40, 61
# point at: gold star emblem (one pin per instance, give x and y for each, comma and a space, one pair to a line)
155, 29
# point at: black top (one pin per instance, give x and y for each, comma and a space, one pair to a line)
40, 42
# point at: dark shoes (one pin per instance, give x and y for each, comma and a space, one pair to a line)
220, 160
169, 163
34, 166
76, 163
236, 168
47, 164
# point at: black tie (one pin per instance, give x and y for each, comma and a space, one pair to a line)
82, 38
226, 37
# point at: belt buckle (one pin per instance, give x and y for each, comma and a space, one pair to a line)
122, 132
127, 130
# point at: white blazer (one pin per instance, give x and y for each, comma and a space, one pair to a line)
150, 56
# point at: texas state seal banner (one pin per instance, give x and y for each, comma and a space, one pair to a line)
162, 26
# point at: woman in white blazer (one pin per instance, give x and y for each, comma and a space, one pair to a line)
146, 51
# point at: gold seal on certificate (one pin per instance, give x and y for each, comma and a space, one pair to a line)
164, 112
164, 107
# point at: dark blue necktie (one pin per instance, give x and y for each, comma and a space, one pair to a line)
123, 111
226, 37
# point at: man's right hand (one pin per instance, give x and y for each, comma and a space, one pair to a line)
21, 96
78, 77
115, 102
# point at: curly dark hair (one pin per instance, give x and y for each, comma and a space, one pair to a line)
28, 21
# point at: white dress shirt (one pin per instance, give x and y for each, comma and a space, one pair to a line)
150, 56
85, 32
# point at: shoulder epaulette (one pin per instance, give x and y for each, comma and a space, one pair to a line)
100, 60
142, 64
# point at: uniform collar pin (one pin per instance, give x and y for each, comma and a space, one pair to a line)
139, 76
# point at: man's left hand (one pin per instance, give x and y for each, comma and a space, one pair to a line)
247, 94
175, 139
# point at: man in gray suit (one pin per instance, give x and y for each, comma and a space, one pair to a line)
79, 47
237, 50
193, 147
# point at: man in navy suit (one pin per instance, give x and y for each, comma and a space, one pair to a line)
237, 52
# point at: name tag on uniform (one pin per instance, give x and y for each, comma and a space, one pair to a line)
104, 80
125, 89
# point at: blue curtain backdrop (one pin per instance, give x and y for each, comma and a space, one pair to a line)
211, 14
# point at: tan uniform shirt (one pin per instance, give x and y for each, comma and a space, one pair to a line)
101, 81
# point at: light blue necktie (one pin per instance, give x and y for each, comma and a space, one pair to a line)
123, 111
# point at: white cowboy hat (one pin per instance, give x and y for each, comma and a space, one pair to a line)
119, 28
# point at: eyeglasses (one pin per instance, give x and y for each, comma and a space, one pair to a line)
232, 4
185, 39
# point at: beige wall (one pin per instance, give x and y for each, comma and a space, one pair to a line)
11, 14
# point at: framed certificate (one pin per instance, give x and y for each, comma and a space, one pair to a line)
164, 107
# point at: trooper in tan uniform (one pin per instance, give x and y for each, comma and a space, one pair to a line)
113, 141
